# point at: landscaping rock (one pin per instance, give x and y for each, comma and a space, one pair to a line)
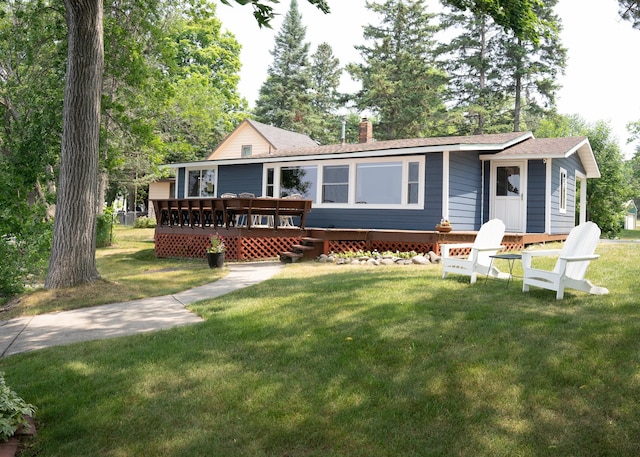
434, 258
420, 260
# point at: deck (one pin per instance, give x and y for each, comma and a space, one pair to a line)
275, 228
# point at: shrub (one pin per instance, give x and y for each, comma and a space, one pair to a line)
104, 233
25, 256
13, 411
144, 222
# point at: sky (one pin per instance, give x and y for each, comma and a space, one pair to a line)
601, 80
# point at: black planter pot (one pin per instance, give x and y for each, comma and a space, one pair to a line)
215, 259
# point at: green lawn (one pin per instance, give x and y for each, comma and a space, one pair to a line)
328, 360
129, 271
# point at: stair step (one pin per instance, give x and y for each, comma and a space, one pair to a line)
302, 247
293, 256
312, 240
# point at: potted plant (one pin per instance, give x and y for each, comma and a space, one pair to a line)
215, 252
444, 226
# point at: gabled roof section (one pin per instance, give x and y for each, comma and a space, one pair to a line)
271, 138
489, 143
280, 138
553, 148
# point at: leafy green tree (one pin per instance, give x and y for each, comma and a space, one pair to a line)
634, 163
326, 100
72, 258
264, 12
401, 83
32, 49
205, 103
285, 98
519, 17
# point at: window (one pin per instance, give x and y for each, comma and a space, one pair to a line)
246, 150
413, 184
379, 183
202, 183
508, 181
301, 180
335, 184
270, 182
563, 190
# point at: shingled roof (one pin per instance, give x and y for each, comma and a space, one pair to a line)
553, 148
280, 138
490, 142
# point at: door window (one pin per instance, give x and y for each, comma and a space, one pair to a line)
508, 181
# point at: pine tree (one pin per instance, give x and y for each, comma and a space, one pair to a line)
534, 69
400, 81
499, 79
478, 98
325, 124
284, 99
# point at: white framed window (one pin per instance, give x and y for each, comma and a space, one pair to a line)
377, 183
563, 191
201, 183
246, 150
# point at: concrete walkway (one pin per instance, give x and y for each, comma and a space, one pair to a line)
118, 319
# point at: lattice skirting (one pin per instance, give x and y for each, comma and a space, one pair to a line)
238, 248
381, 246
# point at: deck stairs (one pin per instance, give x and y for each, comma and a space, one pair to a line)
308, 249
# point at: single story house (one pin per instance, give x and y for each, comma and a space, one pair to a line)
535, 185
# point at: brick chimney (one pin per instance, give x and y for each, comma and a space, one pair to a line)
365, 131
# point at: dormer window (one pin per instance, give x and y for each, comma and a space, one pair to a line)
246, 150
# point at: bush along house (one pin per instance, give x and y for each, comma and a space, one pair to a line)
384, 195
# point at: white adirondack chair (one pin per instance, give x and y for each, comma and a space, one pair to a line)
486, 244
571, 266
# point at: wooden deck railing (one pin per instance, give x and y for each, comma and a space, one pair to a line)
232, 212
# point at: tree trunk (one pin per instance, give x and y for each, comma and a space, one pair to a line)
518, 90
72, 258
483, 76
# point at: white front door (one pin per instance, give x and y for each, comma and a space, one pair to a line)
508, 199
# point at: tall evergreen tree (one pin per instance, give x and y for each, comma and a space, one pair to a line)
325, 124
499, 79
534, 69
401, 83
475, 81
284, 100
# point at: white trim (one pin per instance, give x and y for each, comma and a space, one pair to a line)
563, 172
186, 180
445, 185
524, 171
583, 196
547, 195
347, 154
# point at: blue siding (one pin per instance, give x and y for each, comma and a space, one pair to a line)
399, 219
240, 178
465, 190
536, 180
563, 223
